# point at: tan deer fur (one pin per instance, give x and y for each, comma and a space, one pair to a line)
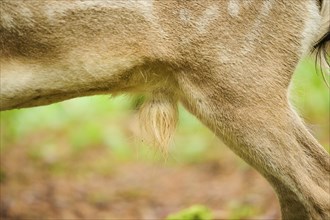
229, 62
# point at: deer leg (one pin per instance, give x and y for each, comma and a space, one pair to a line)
264, 131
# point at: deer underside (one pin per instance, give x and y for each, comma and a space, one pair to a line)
229, 65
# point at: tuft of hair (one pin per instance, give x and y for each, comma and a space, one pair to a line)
321, 48
158, 118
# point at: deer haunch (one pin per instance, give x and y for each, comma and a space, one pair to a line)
229, 62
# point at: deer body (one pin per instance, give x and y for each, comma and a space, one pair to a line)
229, 62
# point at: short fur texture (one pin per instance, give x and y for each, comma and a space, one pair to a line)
228, 62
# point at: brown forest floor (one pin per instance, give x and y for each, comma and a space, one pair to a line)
81, 188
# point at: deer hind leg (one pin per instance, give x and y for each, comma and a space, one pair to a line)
258, 124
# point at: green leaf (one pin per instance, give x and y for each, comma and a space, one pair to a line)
196, 212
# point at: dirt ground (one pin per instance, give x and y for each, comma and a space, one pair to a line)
86, 187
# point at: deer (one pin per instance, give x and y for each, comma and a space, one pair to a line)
229, 63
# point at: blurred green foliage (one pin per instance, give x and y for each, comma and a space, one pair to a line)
242, 211
97, 121
196, 212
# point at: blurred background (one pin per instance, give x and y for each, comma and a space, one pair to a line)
84, 159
